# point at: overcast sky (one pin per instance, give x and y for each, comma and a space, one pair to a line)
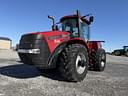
18, 17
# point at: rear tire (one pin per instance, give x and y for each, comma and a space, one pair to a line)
126, 53
117, 53
100, 60
73, 62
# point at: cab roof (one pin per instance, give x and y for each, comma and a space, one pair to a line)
74, 16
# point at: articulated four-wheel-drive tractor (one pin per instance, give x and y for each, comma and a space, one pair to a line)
119, 52
68, 49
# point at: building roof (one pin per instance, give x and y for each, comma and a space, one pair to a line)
5, 38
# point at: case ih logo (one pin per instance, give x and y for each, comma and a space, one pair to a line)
57, 41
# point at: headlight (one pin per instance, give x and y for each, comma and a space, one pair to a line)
32, 51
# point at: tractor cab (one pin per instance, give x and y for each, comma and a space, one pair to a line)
125, 48
76, 25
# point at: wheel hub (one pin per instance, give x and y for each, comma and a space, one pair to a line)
80, 63
102, 63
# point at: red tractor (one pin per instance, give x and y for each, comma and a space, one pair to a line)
67, 49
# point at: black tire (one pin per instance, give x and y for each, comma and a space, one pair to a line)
100, 60
117, 53
24, 58
71, 59
126, 53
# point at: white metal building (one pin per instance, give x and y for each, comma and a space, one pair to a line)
5, 43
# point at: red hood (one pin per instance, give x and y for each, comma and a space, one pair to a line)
50, 33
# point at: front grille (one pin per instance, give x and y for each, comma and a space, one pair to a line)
33, 41
31, 37
30, 41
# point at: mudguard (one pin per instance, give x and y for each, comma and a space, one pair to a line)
54, 56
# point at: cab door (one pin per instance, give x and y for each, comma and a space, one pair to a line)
85, 31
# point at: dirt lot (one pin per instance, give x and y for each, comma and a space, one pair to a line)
17, 79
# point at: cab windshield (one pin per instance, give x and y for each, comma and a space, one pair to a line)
125, 48
70, 25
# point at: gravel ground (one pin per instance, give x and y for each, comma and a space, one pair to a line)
17, 79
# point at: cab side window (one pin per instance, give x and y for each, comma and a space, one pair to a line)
85, 31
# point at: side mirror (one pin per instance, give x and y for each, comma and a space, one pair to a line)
91, 19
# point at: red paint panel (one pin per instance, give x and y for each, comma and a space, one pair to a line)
94, 45
53, 43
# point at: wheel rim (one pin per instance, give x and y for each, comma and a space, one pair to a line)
102, 63
80, 67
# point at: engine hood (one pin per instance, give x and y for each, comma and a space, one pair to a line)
52, 33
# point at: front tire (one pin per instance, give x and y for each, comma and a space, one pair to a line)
73, 62
24, 58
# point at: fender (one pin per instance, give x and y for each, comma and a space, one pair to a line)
53, 58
